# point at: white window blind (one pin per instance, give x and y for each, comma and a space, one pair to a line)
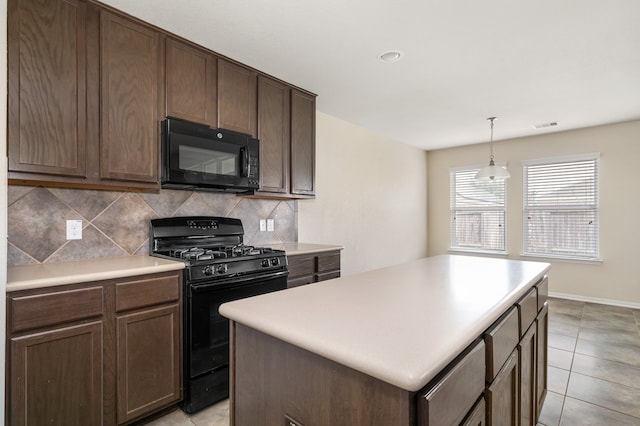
477, 212
561, 207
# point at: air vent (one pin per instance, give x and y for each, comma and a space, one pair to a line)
545, 125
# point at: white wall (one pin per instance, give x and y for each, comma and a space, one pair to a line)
371, 197
3, 192
616, 279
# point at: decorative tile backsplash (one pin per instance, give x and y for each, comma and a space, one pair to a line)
117, 223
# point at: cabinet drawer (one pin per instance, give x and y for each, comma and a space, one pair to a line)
453, 396
147, 292
43, 310
528, 310
328, 262
543, 292
501, 339
327, 276
301, 265
298, 281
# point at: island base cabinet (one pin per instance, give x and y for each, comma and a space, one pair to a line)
453, 396
273, 381
477, 416
542, 341
527, 359
57, 377
502, 395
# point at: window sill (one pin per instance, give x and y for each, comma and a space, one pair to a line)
561, 259
478, 251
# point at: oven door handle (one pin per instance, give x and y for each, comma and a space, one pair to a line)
236, 281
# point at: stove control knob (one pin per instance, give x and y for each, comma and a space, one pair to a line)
265, 263
222, 269
207, 270
275, 261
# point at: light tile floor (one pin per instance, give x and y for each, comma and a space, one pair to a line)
594, 365
216, 415
593, 373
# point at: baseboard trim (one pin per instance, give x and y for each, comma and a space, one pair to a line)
613, 302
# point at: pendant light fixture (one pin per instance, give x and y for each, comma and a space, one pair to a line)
492, 171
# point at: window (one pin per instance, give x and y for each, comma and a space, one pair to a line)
561, 207
477, 213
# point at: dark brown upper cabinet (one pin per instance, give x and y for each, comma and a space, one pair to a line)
88, 87
47, 122
190, 79
274, 116
237, 98
130, 100
303, 143
84, 96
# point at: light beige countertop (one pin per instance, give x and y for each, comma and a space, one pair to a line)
25, 277
294, 249
401, 324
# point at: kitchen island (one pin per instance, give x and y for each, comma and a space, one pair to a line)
381, 347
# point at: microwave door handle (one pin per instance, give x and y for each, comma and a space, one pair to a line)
246, 164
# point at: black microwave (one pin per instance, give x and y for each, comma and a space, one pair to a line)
198, 157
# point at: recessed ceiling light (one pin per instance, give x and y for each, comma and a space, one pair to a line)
390, 56
544, 125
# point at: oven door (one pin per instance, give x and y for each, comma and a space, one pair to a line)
207, 331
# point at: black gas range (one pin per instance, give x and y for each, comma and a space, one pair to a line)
219, 268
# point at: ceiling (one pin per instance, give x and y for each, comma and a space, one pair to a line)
575, 62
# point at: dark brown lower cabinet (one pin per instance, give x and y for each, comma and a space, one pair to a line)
477, 416
56, 376
542, 323
527, 358
275, 380
100, 353
500, 379
451, 398
148, 361
502, 395
313, 267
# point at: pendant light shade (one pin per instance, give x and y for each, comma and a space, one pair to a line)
492, 171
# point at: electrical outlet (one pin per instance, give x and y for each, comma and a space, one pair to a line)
263, 225
74, 229
270, 225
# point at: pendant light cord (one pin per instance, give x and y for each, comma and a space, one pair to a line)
491, 140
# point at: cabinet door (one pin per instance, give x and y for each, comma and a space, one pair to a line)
527, 354
303, 143
237, 98
148, 361
502, 395
47, 87
56, 377
190, 83
273, 132
129, 100
542, 341
477, 416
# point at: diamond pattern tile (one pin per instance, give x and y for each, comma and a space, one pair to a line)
116, 223
165, 202
221, 204
93, 242
88, 203
126, 222
34, 231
